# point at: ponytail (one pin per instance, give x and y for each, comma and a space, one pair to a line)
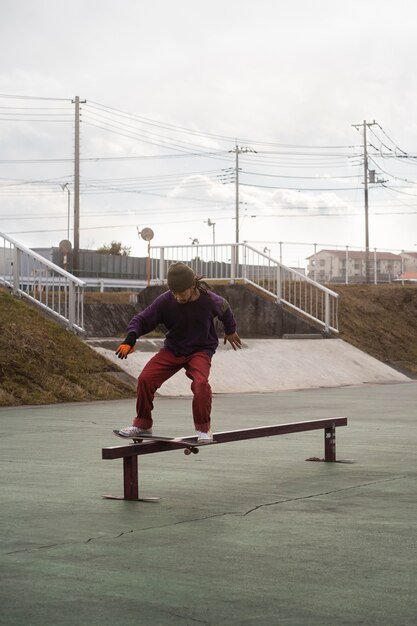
201, 285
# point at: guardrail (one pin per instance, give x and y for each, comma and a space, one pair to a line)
42, 282
241, 262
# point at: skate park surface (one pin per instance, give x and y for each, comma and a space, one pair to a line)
265, 365
245, 533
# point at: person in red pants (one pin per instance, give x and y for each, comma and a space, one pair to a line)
188, 311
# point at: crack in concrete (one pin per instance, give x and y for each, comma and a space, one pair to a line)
188, 618
207, 517
324, 493
50, 545
124, 532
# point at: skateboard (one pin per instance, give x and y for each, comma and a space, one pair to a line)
189, 447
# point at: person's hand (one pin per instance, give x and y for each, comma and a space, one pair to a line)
123, 350
127, 346
234, 340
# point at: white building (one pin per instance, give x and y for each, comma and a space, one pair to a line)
341, 266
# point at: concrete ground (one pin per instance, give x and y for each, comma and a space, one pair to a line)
246, 533
267, 365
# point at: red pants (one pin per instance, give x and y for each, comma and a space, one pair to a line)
161, 367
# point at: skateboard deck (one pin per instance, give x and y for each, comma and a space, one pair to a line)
189, 447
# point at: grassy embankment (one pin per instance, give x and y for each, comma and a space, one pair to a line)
42, 363
382, 321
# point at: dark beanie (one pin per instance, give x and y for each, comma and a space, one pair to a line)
180, 277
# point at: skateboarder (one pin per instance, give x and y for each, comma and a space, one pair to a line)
188, 311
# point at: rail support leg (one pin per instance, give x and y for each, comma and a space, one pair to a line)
131, 482
130, 478
330, 444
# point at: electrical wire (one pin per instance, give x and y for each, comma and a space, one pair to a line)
15, 97
182, 129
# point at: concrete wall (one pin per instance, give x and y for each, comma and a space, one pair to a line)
107, 320
256, 317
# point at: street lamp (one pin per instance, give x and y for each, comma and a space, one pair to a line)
66, 188
213, 224
147, 234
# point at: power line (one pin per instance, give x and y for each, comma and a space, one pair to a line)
190, 131
300, 188
15, 97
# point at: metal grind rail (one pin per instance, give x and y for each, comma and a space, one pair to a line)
129, 453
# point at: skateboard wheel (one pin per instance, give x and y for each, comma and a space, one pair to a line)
196, 450
187, 451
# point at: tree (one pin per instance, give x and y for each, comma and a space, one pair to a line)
114, 247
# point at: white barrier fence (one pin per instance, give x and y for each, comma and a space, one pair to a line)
42, 282
241, 262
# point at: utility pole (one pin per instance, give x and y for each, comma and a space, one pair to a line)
76, 253
364, 126
237, 193
238, 150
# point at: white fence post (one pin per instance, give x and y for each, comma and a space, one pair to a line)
279, 285
71, 305
327, 312
161, 264
16, 270
233, 263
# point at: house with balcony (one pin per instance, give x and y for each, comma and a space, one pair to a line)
349, 266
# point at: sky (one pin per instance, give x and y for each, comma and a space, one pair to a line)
168, 90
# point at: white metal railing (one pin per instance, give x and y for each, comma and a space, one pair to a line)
42, 282
232, 262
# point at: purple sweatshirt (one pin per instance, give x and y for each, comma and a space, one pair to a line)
190, 326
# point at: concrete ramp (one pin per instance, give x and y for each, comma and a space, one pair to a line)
265, 365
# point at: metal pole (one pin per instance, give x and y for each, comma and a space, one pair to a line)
237, 210
76, 254
365, 182
330, 444
16, 270
237, 194
149, 263
213, 224
66, 188
365, 174
161, 264
69, 210
375, 274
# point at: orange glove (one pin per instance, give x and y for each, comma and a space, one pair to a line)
123, 350
127, 346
